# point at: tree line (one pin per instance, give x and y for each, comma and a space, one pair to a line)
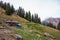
20, 12
28, 16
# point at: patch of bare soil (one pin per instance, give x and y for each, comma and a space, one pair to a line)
6, 34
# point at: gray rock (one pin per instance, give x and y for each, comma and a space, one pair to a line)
49, 35
19, 37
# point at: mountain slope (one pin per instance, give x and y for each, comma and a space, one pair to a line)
29, 30
54, 21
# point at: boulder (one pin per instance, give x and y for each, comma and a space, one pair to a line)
19, 37
49, 35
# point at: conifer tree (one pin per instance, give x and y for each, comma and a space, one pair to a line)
29, 16
58, 27
32, 19
39, 20
8, 9
21, 12
12, 9
1, 3
50, 25
36, 18
4, 5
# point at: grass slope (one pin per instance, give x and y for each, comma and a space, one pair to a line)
29, 30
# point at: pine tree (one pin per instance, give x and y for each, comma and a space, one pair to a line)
29, 16
39, 20
1, 4
21, 12
58, 27
36, 18
12, 9
8, 9
4, 6
50, 25
32, 19
26, 15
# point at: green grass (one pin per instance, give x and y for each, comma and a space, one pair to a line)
32, 32
34, 26
31, 35
36, 31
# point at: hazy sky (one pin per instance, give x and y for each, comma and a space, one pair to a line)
45, 8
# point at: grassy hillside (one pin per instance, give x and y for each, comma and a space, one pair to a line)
29, 30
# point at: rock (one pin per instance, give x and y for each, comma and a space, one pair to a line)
19, 37
49, 35
2, 27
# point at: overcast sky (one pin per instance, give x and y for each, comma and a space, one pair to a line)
45, 8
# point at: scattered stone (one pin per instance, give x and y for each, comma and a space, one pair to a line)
48, 35
19, 37
2, 27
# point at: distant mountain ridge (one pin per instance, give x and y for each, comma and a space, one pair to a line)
54, 21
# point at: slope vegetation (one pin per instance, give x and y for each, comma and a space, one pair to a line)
30, 30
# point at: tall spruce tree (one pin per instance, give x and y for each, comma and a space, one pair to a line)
8, 9
58, 27
29, 16
4, 5
1, 4
36, 18
50, 25
21, 12
32, 19
12, 9
39, 20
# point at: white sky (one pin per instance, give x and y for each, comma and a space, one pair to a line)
45, 8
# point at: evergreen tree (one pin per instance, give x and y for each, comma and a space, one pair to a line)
8, 9
39, 20
1, 4
21, 12
29, 16
32, 19
50, 24
58, 27
36, 18
12, 9
4, 6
